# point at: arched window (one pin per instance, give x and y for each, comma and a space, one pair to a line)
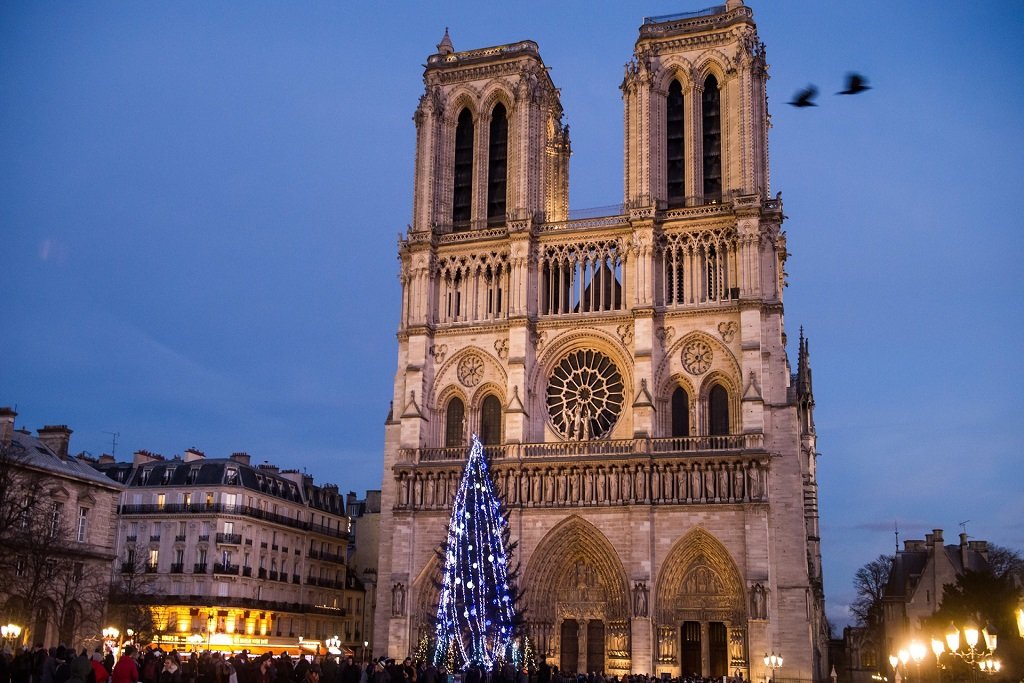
674, 145
462, 197
490, 421
455, 416
497, 154
711, 110
718, 411
680, 413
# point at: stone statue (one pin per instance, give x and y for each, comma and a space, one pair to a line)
640, 599
398, 600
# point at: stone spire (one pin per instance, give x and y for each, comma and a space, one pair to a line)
445, 46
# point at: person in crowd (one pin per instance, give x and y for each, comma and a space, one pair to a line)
312, 673
170, 672
126, 670
99, 672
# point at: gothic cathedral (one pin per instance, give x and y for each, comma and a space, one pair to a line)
627, 372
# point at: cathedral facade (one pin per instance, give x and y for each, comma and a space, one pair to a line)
628, 372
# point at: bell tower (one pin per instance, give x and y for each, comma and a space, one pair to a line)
627, 373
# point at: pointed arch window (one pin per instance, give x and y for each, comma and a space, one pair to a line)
680, 413
711, 118
454, 418
674, 170
490, 421
462, 196
718, 411
497, 167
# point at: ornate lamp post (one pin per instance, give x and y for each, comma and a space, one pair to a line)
110, 639
334, 644
366, 654
974, 654
11, 632
773, 662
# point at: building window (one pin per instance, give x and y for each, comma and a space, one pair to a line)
462, 195
161, 500
455, 416
186, 499
83, 525
718, 411
711, 110
77, 569
490, 420
674, 162
201, 556
497, 168
55, 517
154, 557
680, 413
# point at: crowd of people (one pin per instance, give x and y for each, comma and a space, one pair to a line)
153, 665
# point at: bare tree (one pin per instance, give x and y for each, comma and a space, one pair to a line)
869, 583
129, 593
79, 592
1005, 562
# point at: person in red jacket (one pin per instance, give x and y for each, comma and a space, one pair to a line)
99, 670
126, 670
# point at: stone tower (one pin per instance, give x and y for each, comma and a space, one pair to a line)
628, 372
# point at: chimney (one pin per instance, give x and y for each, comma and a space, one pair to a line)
142, 457
107, 459
937, 534
964, 547
241, 457
193, 454
7, 416
56, 438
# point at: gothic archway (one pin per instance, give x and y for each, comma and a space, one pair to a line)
700, 609
575, 578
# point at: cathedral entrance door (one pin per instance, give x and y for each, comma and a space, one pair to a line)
691, 649
570, 646
595, 646
718, 649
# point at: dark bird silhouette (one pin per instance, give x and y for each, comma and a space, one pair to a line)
803, 97
855, 83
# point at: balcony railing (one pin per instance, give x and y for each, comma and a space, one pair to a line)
681, 445
246, 571
237, 602
273, 575
150, 568
225, 509
219, 568
296, 579
180, 538
229, 539
155, 538
199, 568
127, 567
177, 568
326, 557
205, 538
131, 539
262, 573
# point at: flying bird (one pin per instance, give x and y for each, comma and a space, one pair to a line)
855, 83
803, 97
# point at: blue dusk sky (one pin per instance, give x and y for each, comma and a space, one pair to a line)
199, 205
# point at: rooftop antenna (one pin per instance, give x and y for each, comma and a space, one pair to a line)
113, 441
896, 530
963, 526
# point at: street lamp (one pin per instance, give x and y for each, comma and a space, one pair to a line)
773, 661
366, 646
974, 654
10, 631
334, 645
1020, 621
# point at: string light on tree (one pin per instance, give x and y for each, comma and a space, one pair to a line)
477, 614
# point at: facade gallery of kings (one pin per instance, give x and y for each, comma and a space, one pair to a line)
628, 373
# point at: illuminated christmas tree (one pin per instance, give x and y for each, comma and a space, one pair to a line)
477, 612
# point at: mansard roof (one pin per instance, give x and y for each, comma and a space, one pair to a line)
264, 479
30, 452
911, 563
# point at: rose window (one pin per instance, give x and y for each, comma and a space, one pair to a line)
584, 395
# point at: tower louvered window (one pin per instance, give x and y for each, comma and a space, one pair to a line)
462, 197
680, 413
454, 418
711, 109
497, 174
490, 421
718, 411
674, 145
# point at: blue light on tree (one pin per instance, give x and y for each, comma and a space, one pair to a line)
477, 616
